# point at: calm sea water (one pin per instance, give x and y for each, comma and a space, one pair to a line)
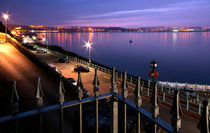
181, 56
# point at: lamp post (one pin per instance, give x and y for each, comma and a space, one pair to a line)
88, 45
154, 99
6, 17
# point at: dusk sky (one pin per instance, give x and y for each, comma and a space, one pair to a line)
123, 13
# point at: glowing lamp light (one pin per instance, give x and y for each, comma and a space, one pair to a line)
88, 44
5, 16
43, 39
153, 64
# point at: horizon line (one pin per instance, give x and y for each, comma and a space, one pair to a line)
111, 26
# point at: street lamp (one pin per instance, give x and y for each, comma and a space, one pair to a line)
6, 17
153, 73
153, 64
88, 45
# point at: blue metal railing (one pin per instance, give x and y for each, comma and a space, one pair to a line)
147, 84
114, 98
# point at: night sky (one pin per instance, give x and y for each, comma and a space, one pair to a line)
123, 13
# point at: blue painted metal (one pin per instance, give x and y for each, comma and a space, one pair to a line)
147, 114
176, 112
148, 87
203, 124
14, 100
79, 87
96, 84
114, 101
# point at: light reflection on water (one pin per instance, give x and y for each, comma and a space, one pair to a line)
182, 56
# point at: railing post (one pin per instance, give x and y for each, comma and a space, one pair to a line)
185, 85
197, 98
155, 108
199, 108
124, 86
148, 87
116, 75
113, 82
167, 84
39, 100
96, 91
164, 96
141, 84
79, 87
206, 87
176, 112
203, 124
138, 101
61, 101
177, 87
14, 100
80, 95
195, 87
187, 100
169, 90
161, 87
114, 104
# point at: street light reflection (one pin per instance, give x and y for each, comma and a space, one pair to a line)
88, 45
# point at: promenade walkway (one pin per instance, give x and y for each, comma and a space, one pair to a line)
16, 66
189, 124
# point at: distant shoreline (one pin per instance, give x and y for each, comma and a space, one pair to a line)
125, 32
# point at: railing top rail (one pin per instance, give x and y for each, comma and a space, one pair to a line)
52, 107
147, 114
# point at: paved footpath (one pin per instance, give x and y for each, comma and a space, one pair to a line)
189, 124
16, 66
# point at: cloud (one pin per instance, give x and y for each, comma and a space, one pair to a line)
177, 7
174, 14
